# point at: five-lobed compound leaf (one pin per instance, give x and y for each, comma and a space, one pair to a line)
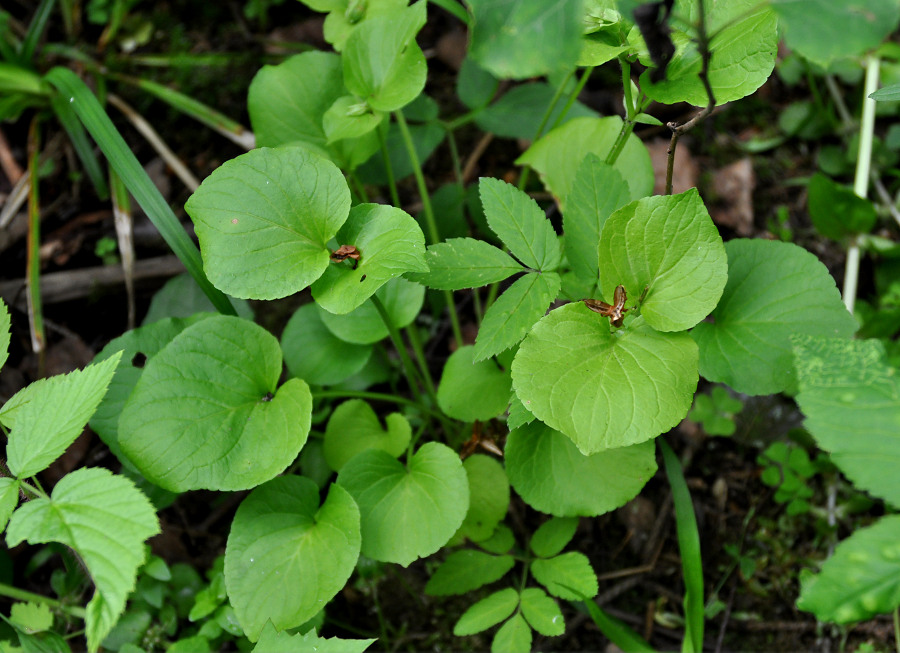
774, 290
846, 387
407, 511
460, 263
861, 580
472, 390
488, 497
512, 637
836, 211
106, 520
205, 412
467, 570
487, 612
286, 555
669, 245
264, 220
542, 612
272, 640
46, 416
604, 389
568, 576
389, 241
581, 485
402, 300
552, 536
354, 427
4, 333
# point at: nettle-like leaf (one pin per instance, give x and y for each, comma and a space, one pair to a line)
862, 578
774, 290
40, 431
669, 245
604, 389
286, 555
363, 325
410, 511
472, 390
488, 497
542, 612
354, 427
836, 211
582, 485
460, 263
264, 220
568, 576
557, 155
467, 570
512, 637
382, 63
552, 536
743, 44
487, 612
515, 39
389, 241
272, 640
846, 387
206, 414
106, 520
4, 333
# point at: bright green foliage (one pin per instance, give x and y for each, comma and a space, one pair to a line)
823, 30
264, 220
286, 555
40, 431
515, 39
890, 93
410, 511
774, 290
846, 387
861, 579
84, 508
558, 155
9, 497
669, 245
512, 637
31, 617
542, 612
743, 46
313, 353
488, 497
502, 541
402, 300
552, 536
488, 612
788, 469
180, 296
207, 413
836, 211
466, 263
354, 427
716, 411
473, 390
518, 415
568, 576
605, 32
4, 333
519, 112
467, 570
520, 223
349, 117
272, 640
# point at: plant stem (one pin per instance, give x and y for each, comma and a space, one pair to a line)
22, 595
388, 168
523, 179
416, 344
409, 369
573, 96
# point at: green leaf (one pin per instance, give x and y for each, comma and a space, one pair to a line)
515, 39
518, 414
475, 86
604, 390
345, 16
472, 390
467, 570
823, 31
4, 333
669, 245
487, 612
40, 431
861, 580
520, 223
552, 536
846, 387
264, 220
313, 353
465, 263
287, 556
363, 325
889, 93
520, 111
86, 506
557, 156
390, 242
488, 497
836, 211
512, 637
510, 317
542, 613
597, 190
502, 540
425, 140
774, 290
349, 117
582, 485
354, 427
180, 296
205, 413
9, 497
410, 511
31, 617
382, 63
272, 640
568, 576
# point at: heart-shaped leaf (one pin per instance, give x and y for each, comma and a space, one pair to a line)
402, 300
472, 390
488, 497
354, 427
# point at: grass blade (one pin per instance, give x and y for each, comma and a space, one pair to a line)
82, 145
616, 631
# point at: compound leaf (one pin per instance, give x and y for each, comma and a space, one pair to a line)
488, 612
467, 570
568, 576
460, 263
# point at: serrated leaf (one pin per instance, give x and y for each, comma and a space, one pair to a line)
313, 353
272, 640
836, 211
390, 242
598, 189
520, 223
287, 556
582, 485
568, 576
465, 263
471, 390
774, 290
604, 390
488, 496
512, 637
354, 427
31, 617
542, 612
409, 511
363, 325
83, 509
9, 498
552, 536
862, 578
518, 414
206, 413
557, 156
487, 612
467, 570
264, 220
521, 110
669, 245
4, 333
40, 431
845, 387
